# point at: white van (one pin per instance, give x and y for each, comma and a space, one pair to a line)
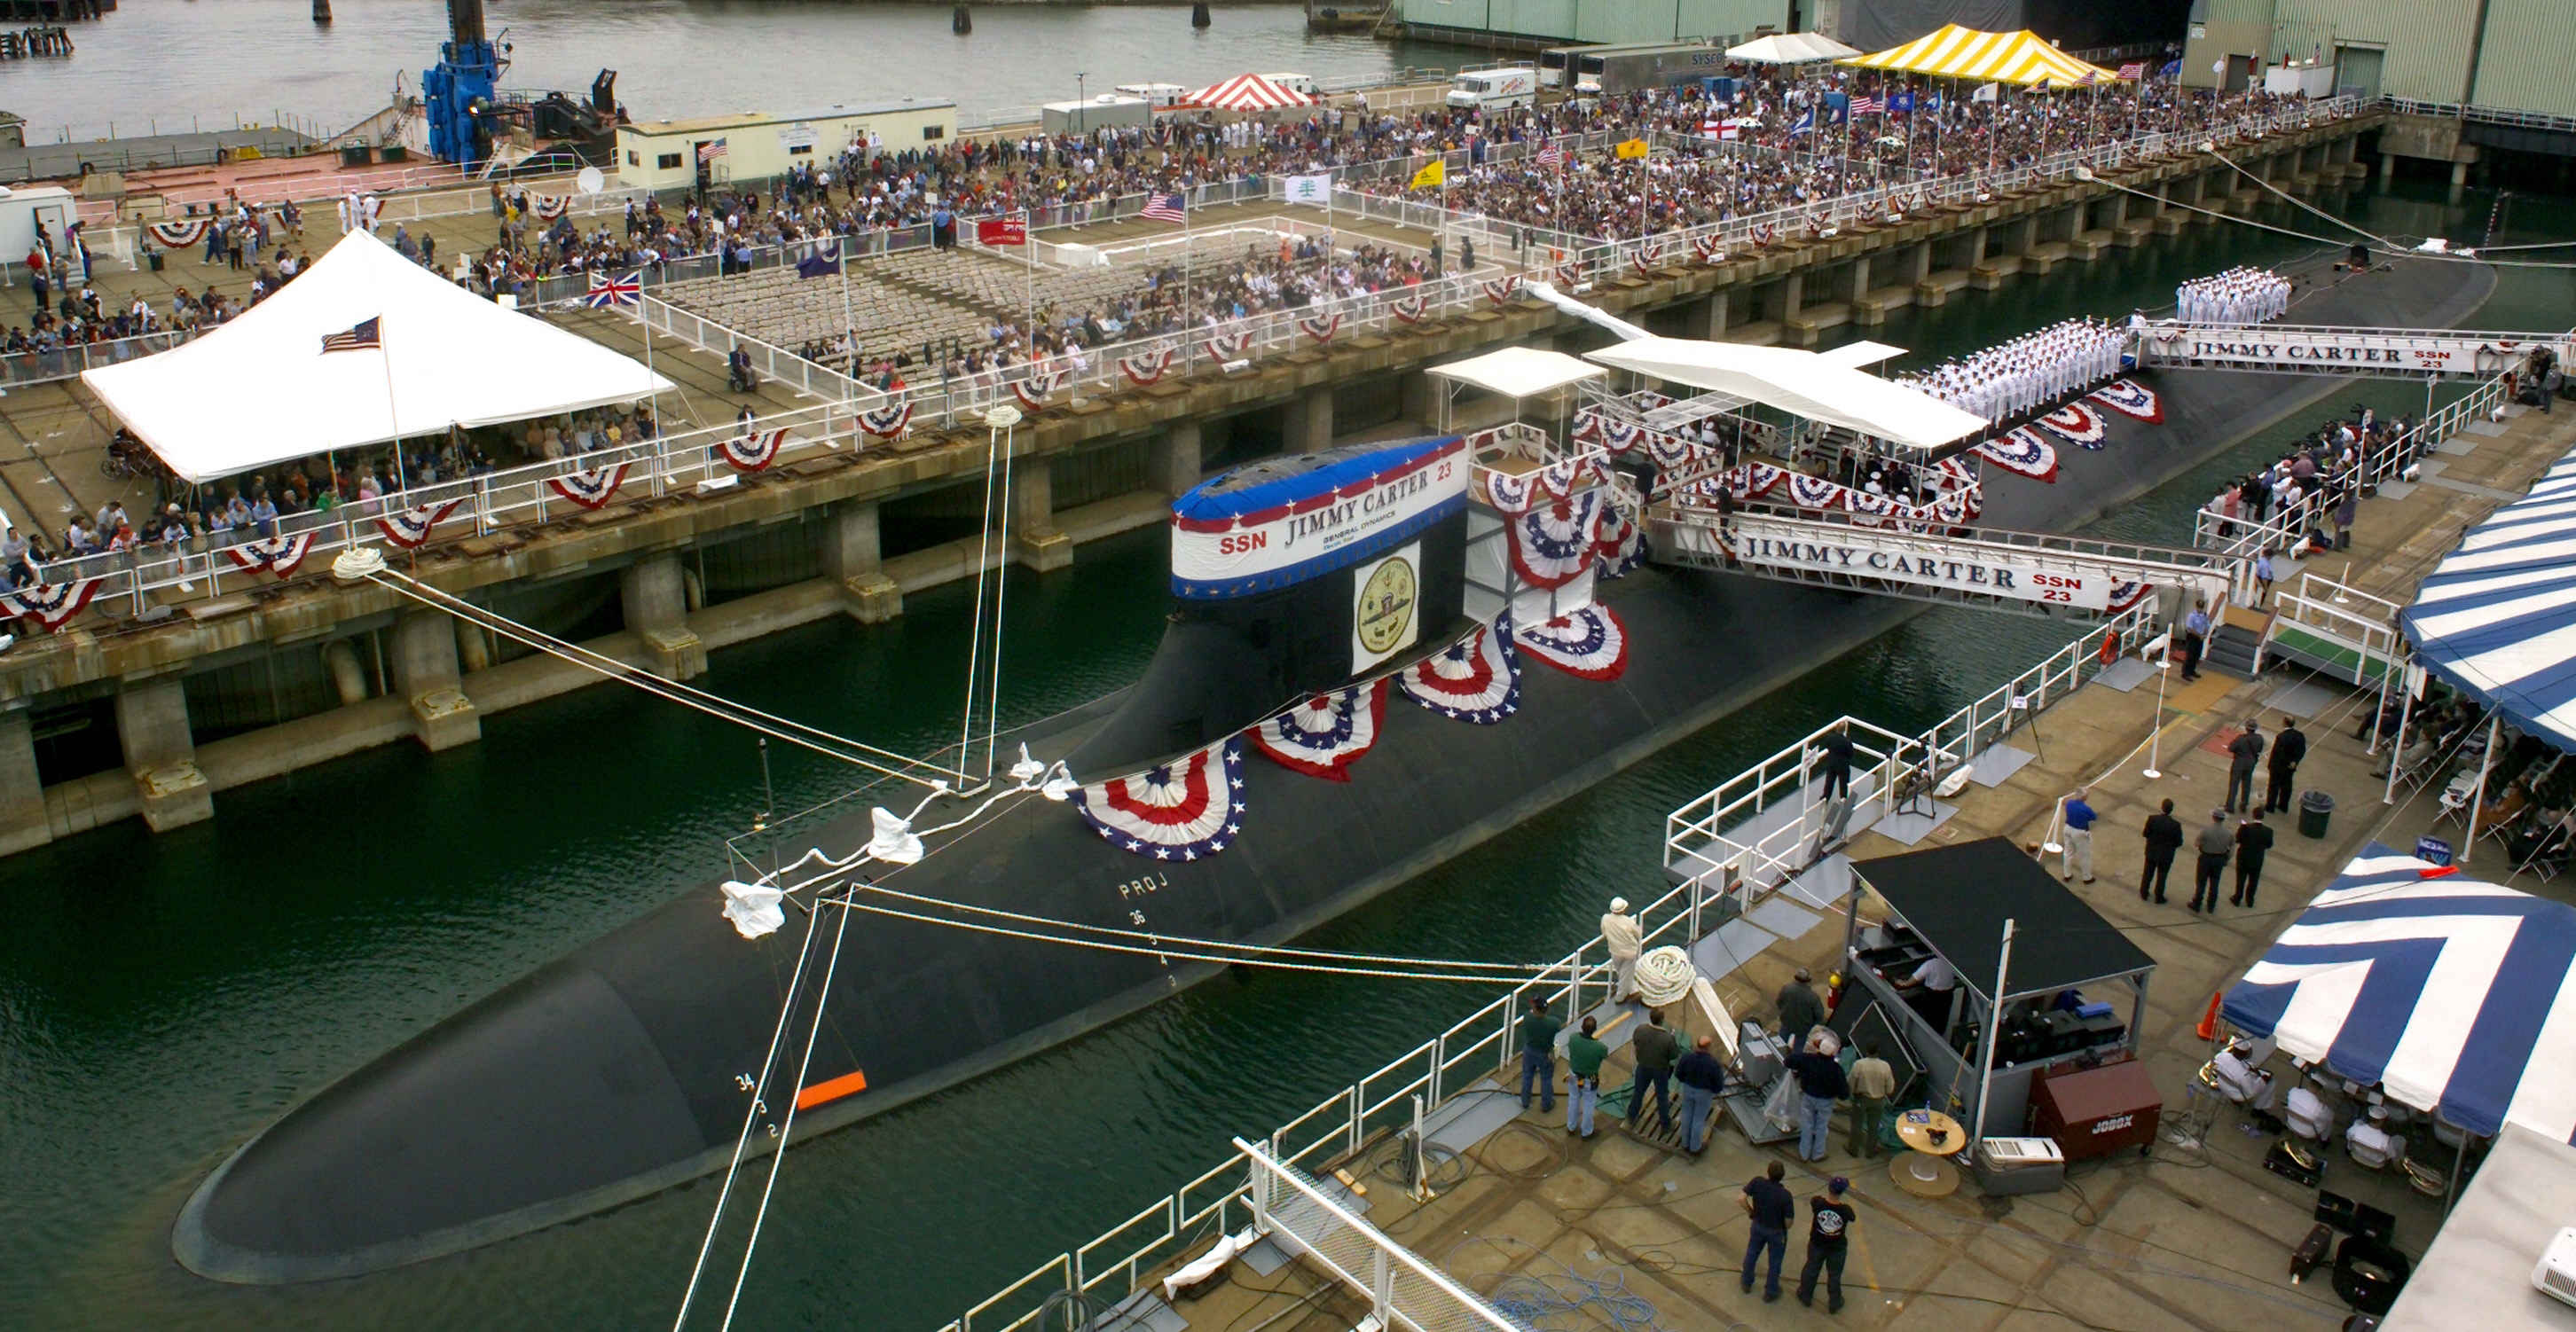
1302, 83
1155, 95
1492, 89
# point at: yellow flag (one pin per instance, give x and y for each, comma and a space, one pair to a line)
1631, 148
1432, 176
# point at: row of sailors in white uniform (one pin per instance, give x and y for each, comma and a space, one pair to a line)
2237, 296
2032, 371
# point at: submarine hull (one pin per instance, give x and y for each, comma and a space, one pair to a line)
616, 1071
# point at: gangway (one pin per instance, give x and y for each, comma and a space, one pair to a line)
2034, 573
2335, 630
2341, 349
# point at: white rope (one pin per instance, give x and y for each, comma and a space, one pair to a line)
1001, 596
750, 1116
778, 1155
790, 732
2385, 245
975, 624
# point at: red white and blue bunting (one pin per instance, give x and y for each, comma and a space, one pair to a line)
1037, 388
2127, 594
2131, 399
1228, 346
753, 451
887, 422
1764, 234
409, 528
1150, 365
1621, 545
2076, 424
50, 604
1590, 643
1570, 274
1185, 810
1477, 679
1669, 451
2023, 453
181, 235
1501, 290
591, 487
1552, 543
278, 554
1322, 330
549, 206
1711, 249
1407, 309
1326, 734
1957, 501
1507, 492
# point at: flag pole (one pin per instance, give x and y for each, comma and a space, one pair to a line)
393, 418
1029, 264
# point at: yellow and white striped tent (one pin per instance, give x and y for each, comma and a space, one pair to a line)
1992, 57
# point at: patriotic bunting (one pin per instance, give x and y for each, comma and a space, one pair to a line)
2023, 453
50, 604
2131, 399
1552, 543
1710, 249
1590, 643
1183, 810
589, 488
1620, 545
1764, 234
1506, 492
887, 422
2076, 423
278, 554
549, 206
1570, 273
1500, 290
1326, 734
1322, 330
181, 235
1406, 309
1036, 389
753, 451
1477, 679
1150, 365
2127, 594
1228, 346
409, 528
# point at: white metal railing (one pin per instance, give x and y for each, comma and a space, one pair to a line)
2490, 115
769, 361
2344, 617
1697, 840
1402, 1290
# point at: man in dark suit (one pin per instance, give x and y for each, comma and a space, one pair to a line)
2242, 753
2253, 840
1837, 747
2290, 746
2164, 838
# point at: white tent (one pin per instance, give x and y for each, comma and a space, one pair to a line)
1801, 383
1518, 372
1790, 48
261, 390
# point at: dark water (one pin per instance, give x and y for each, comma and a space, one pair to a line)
161, 998
166, 66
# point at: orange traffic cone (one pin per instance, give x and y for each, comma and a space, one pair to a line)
2208, 1028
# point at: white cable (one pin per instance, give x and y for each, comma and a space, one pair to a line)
750, 1116
778, 1154
1001, 595
779, 728
975, 625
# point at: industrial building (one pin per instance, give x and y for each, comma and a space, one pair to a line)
1532, 24
2489, 53
677, 154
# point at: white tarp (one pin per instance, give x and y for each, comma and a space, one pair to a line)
1800, 383
261, 391
1790, 48
1518, 372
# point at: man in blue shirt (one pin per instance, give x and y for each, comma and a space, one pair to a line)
1768, 1202
2079, 838
2195, 632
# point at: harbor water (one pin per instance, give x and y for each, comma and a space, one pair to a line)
166, 67
162, 998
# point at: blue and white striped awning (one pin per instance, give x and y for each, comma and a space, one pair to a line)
2497, 618
2452, 994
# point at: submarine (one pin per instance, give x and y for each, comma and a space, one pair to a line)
1328, 714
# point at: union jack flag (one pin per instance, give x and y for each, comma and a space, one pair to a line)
606, 291
2133, 71
1172, 208
1867, 106
1551, 156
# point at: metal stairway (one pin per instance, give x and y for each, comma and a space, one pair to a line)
2031, 573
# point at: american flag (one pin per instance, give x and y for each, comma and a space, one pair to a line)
1867, 106
1172, 208
2133, 71
1551, 156
606, 291
711, 150
2087, 79
364, 334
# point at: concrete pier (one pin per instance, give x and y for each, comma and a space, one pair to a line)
22, 791
426, 675
657, 610
161, 753
852, 558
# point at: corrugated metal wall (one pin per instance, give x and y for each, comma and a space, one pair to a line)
2224, 28
2523, 63
2428, 40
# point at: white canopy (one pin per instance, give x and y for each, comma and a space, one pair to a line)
1518, 372
1790, 48
261, 390
1860, 355
1801, 383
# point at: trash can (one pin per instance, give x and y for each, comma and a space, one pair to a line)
2315, 808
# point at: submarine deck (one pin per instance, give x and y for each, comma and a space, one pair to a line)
2183, 1238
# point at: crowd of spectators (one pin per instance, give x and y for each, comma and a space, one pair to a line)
2314, 489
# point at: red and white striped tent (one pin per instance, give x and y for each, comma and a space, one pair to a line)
1247, 92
